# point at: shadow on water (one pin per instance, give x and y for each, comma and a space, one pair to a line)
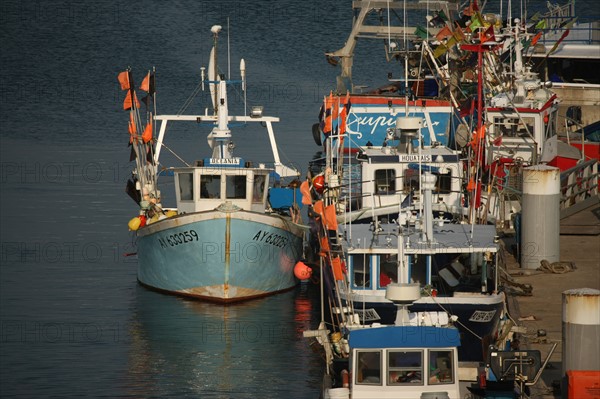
246, 350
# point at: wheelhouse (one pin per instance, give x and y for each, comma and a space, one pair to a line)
211, 183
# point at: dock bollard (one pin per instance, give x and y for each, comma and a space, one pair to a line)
540, 227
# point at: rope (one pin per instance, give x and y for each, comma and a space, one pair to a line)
556, 267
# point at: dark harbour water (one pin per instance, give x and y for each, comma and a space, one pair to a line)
73, 321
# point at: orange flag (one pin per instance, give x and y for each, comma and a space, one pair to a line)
124, 80
443, 33
336, 265
305, 191
127, 104
146, 83
536, 38
132, 128
487, 35
330, 218
318, 208
147, 135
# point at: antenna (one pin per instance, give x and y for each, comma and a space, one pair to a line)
228, 53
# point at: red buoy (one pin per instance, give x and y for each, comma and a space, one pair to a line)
319, 183
302, 271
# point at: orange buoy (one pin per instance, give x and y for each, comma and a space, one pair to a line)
302, 271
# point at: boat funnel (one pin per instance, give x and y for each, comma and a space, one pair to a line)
408, 129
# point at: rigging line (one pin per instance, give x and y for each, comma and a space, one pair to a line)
464, 326
189, 100
175, 155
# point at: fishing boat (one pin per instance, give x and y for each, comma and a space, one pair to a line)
415, 91
234, 233
416, 354
568, 54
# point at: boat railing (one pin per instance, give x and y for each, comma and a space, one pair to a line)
586, 30
578, 184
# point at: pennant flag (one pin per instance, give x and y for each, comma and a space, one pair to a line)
124, 80
344, 114
472, 9
132, 155
146, 83
569, 24
331, 113
553, 49
421, 33
324, 244
436, 21
149, 157
336, 266
319, 208
535, 17
443, 33
127, 104
458, 34
330, 218
476, 22
465, 108
132, 128
487, 35
440, 50
536, 38
147, 135
305, 191
541, 24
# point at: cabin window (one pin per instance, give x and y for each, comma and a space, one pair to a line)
368, 364
388, 270
410, 181
405, 367
259, 188
514, 127
440, 367
443, 184
236, 187
186, 186
361, 271
385, 181
210, 186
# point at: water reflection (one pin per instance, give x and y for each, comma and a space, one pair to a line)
248, 350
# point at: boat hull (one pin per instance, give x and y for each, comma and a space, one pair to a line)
220, 255
478, 318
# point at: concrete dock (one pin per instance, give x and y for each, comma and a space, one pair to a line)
541, 312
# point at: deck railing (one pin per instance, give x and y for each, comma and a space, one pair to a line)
579, 184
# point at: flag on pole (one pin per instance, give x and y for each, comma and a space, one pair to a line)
124, 80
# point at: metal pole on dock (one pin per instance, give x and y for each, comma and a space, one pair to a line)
540, 238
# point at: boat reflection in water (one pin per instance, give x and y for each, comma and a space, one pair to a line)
214, 351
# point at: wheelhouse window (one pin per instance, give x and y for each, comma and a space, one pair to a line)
410, 181
210, 186
388, 270
235, 187
368, 364
361, 271
440, 367
385, 181
405, 367
514, 127
443, 184
259, 188
186, 186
